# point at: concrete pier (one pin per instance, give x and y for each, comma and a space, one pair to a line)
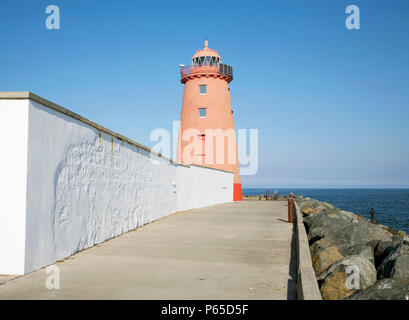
242, 250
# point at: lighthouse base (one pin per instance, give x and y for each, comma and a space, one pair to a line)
237, 193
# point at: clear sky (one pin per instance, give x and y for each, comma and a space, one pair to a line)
331, 104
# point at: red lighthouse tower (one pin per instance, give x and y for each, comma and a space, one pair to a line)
207, 135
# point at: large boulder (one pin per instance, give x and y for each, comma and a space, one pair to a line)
335, 235
319, 226
324, 255
384, 289
363, 250
382, 249
350, 216
396, 264
346, 277
355, 238
355, 234
308, 211
329, 221
362, 233
311, 207
323, 258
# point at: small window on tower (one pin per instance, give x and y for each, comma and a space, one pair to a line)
203, 89
202, 112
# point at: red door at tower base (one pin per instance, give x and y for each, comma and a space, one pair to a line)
237, 194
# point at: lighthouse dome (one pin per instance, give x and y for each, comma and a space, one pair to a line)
206, 56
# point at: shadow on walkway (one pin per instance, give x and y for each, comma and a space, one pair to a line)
292, 271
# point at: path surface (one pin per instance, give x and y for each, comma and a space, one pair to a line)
229, 251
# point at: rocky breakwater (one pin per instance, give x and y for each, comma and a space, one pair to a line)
353, 258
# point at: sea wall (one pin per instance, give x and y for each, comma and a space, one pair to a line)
68, 184
352, 257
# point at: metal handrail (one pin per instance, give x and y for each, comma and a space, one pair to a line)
185, 71
221, 68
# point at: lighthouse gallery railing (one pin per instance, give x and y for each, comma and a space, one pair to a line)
213, 67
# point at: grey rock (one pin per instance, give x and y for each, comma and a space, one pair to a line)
384, 289
383, 249
366, 268
315, 207
358, 238
363, 250
336, 283
396, 264
358, 233
350, 216
319, 226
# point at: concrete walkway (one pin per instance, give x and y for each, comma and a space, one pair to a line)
230, 251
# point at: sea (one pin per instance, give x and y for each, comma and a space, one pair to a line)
391, 205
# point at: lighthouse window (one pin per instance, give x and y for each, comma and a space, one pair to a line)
203, 89
202, 112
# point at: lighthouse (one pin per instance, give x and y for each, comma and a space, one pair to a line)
207, 135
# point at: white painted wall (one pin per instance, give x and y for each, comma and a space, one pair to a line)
201, 187
13, 177
82, 190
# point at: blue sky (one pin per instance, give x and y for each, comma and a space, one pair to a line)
331, 104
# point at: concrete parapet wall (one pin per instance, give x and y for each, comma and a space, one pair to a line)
68, 184
307, 286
